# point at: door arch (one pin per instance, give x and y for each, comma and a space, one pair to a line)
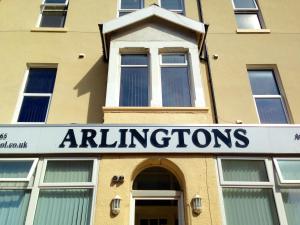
156, 198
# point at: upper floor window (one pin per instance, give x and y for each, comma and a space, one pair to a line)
175, 80
173, 5
37, 95
128, 6
247, 14
134, 80
53, 13
269, 103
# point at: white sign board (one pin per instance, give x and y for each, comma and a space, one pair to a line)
48, 139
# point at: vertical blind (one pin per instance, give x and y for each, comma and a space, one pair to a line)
175, 86
63, 207
290, 169
69, 171
249, 206
13, 206
15, 169
134, 80
244, 170
291, 200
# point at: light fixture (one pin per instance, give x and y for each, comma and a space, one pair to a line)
196, 204
116, 205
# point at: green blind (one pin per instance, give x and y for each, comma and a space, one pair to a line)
244, 170
13, 206
249, 206
64, 207
15, 169
291, 200
69, 171
290, 169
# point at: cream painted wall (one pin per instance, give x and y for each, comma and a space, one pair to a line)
196, 174
278, 49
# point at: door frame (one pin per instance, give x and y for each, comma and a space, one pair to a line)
157, 195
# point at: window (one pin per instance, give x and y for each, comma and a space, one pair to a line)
37, 95
128, 6
134, 80
16, 182
175, 80
260, 193
267, 96
173, 5
57, 191
247, 192
247, 14
53, 13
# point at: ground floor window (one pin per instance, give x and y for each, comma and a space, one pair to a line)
47, 191
260, 190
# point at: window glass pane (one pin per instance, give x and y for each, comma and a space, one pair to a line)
53, 19
291, 200
172, 4
270, 110
13, 206
263, 82
40, 80
249, 206
134, 86
33, 109
290, 169
56, 1
247, 21
180, 58
244, 170
64, 206
242, 4
134, 60
15, 169
123, 13
69, 171
175, 86
131, 4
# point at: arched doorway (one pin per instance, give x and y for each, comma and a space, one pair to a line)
156, 198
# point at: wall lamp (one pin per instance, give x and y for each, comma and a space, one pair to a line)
196, 204
116, 205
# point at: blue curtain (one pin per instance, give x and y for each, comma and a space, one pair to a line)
40, 80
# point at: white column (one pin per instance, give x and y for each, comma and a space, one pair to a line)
197, 92
113, 77
155, 80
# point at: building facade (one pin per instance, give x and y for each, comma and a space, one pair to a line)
149, 112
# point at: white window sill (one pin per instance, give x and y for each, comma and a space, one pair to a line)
50, 29
153, 109
253, 31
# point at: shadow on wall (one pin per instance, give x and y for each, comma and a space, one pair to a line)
94, 83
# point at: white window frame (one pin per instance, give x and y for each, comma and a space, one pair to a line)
39, 185
120, 10
282, 101
68, 184
154, 49
141, 66
22, 93
250, 11
179, 11
279, 173
157, 195
279, 205
52, 7
268, 167
30, 173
